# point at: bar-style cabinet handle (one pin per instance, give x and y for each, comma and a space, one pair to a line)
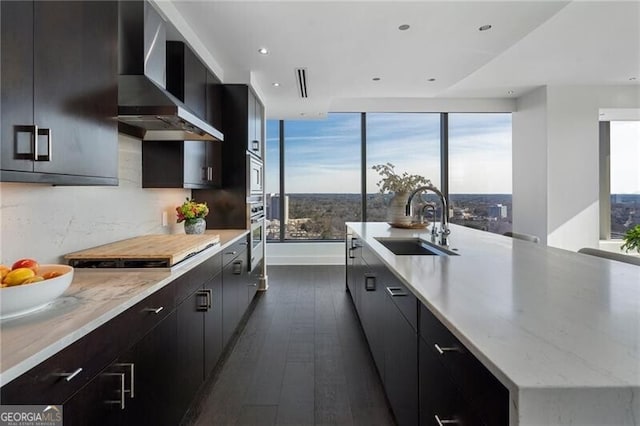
396, 292
48, 134
441, 350
122, 390
442, 422
69, 376
153, 310
255, 145
131, 367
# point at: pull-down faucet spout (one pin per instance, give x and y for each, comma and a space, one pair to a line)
444, 217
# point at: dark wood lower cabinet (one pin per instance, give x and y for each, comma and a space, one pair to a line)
234, 294
424, 386
145, 366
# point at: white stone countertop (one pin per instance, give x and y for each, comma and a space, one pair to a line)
560, 330
94, 297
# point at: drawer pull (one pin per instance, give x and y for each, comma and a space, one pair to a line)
121, 390
370, 282
442, 422
154, 310
207, 293
69, 376
442, 350
232, 253
253, 285
130, 365
396, 292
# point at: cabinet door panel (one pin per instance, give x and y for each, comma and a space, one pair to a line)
401, 365
195, 172
213, 325
190, 349
97, 403
75, 81
16, 73
155, 375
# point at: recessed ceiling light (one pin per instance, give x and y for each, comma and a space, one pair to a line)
510, 92
376, 79
431, 79
404, 27
302, 113
484, 28
276, 84
263, 51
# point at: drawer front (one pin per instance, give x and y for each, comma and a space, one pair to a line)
196, 277
488, 397
234, 250
401, 297
440, 401
57, 378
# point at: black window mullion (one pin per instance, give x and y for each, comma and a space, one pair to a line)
363, 166
281, 201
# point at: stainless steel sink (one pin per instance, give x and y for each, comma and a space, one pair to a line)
413, 247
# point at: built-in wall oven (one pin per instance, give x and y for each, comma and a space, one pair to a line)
254, 176
257, 234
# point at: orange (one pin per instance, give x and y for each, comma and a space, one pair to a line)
4, 270
34, 279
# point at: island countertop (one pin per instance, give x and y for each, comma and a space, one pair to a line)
559, 329
94, 297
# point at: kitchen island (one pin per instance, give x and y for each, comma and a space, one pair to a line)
560, 330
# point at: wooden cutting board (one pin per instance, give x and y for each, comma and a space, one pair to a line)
170, 248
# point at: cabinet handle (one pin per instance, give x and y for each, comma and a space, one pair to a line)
351, 256
47, 133
69, 376
244, 243
232, 253
207, 300
255, 145
153, 310
442, 422
210, 174
237, 267
33, 142
129, 365
253, 285
370, 282
396, 292
121, 390
442, 350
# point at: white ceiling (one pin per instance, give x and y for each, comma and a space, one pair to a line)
345, 44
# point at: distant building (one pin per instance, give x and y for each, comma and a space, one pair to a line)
274, 208
499, 211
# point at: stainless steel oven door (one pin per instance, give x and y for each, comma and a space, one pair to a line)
256, 252
255, 175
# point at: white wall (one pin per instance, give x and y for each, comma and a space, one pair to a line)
571, 131
529, 166
45, 222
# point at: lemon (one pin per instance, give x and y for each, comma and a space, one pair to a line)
18, 276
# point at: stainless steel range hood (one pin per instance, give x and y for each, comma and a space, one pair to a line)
146, 110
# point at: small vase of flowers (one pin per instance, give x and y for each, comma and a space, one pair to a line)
192, 214
401, 186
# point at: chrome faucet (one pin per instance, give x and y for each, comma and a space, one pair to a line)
444, 218
423, 209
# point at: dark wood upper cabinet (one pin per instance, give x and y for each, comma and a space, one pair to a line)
213, 105
181, 164
186, 77
255, 123
59, 92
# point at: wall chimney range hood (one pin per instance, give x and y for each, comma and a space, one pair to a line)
146, 110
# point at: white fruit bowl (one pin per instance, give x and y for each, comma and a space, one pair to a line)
26, 298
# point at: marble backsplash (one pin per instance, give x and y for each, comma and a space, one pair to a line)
45, 222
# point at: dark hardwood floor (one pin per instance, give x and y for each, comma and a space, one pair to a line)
301, 359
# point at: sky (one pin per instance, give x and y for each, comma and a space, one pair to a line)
323, 156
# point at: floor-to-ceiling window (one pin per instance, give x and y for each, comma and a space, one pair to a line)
316, 168
480, 171
322, 176
625, 176
409, 141
274, 215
